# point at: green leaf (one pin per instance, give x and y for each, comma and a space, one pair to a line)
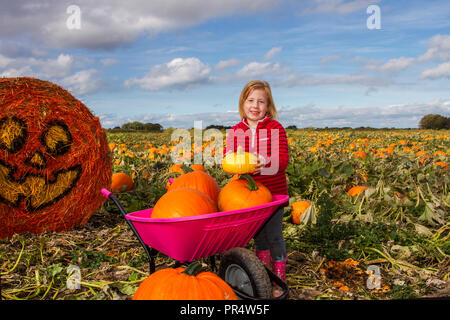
55, 269
134, 276
309, 216
127, 289
431, 216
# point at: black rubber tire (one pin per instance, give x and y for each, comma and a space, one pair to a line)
246, 260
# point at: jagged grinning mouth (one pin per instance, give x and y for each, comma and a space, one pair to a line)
37, 190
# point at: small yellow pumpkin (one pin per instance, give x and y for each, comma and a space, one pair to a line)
239, 162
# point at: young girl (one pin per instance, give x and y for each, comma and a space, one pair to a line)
259, 131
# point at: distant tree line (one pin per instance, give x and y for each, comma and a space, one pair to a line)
138, 126
429, 121
219, 127
434, 121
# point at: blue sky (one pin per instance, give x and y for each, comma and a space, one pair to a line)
175, 62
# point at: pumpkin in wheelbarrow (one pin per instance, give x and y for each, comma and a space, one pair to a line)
239, 162
183, 202
198, 180
243, 192
180, 168
190, 283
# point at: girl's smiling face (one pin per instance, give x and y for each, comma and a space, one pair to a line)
255, 106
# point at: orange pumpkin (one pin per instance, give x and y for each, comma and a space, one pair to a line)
183, 202
234, 177
243, 193
121, 182
188, 283
198, 180
298, 209
354, 191
180, 168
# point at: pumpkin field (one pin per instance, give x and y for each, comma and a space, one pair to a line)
370, 221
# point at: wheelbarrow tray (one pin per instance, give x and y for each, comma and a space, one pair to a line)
189, 238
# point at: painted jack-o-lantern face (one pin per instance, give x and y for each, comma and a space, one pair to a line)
38, 191
54, 158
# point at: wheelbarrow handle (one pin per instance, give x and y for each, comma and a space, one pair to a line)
149, 251
106, 193
109, 195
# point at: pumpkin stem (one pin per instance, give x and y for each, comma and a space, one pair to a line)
193, 269
251, 182
186, 169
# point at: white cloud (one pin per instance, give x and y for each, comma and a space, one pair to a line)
47, 68
82, 82
35, 67
107, 24
256, 69
398, 116
296, 80
441, 71
224, 64
108, 61
272, 53
4, 61
18, 72
177, 74
173, 120
397, 64
335, 6
439, 47
59, 70
55, 68
329, 59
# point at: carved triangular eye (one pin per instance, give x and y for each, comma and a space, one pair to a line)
56, 138
36, 160
13, 134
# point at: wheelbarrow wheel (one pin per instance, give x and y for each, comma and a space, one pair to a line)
242, 270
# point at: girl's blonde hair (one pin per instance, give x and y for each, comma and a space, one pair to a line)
258, 84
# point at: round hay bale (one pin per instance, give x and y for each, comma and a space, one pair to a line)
54, 158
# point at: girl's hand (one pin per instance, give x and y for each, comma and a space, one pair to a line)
258, 167
261, 163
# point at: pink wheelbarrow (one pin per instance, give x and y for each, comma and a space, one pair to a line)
227, 233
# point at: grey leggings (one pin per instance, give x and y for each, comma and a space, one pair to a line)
270, 236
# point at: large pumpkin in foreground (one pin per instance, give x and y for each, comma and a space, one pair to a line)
54, 158
188, 283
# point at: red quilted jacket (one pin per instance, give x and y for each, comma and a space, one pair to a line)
270, 142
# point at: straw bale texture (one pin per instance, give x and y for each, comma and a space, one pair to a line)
54, 158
